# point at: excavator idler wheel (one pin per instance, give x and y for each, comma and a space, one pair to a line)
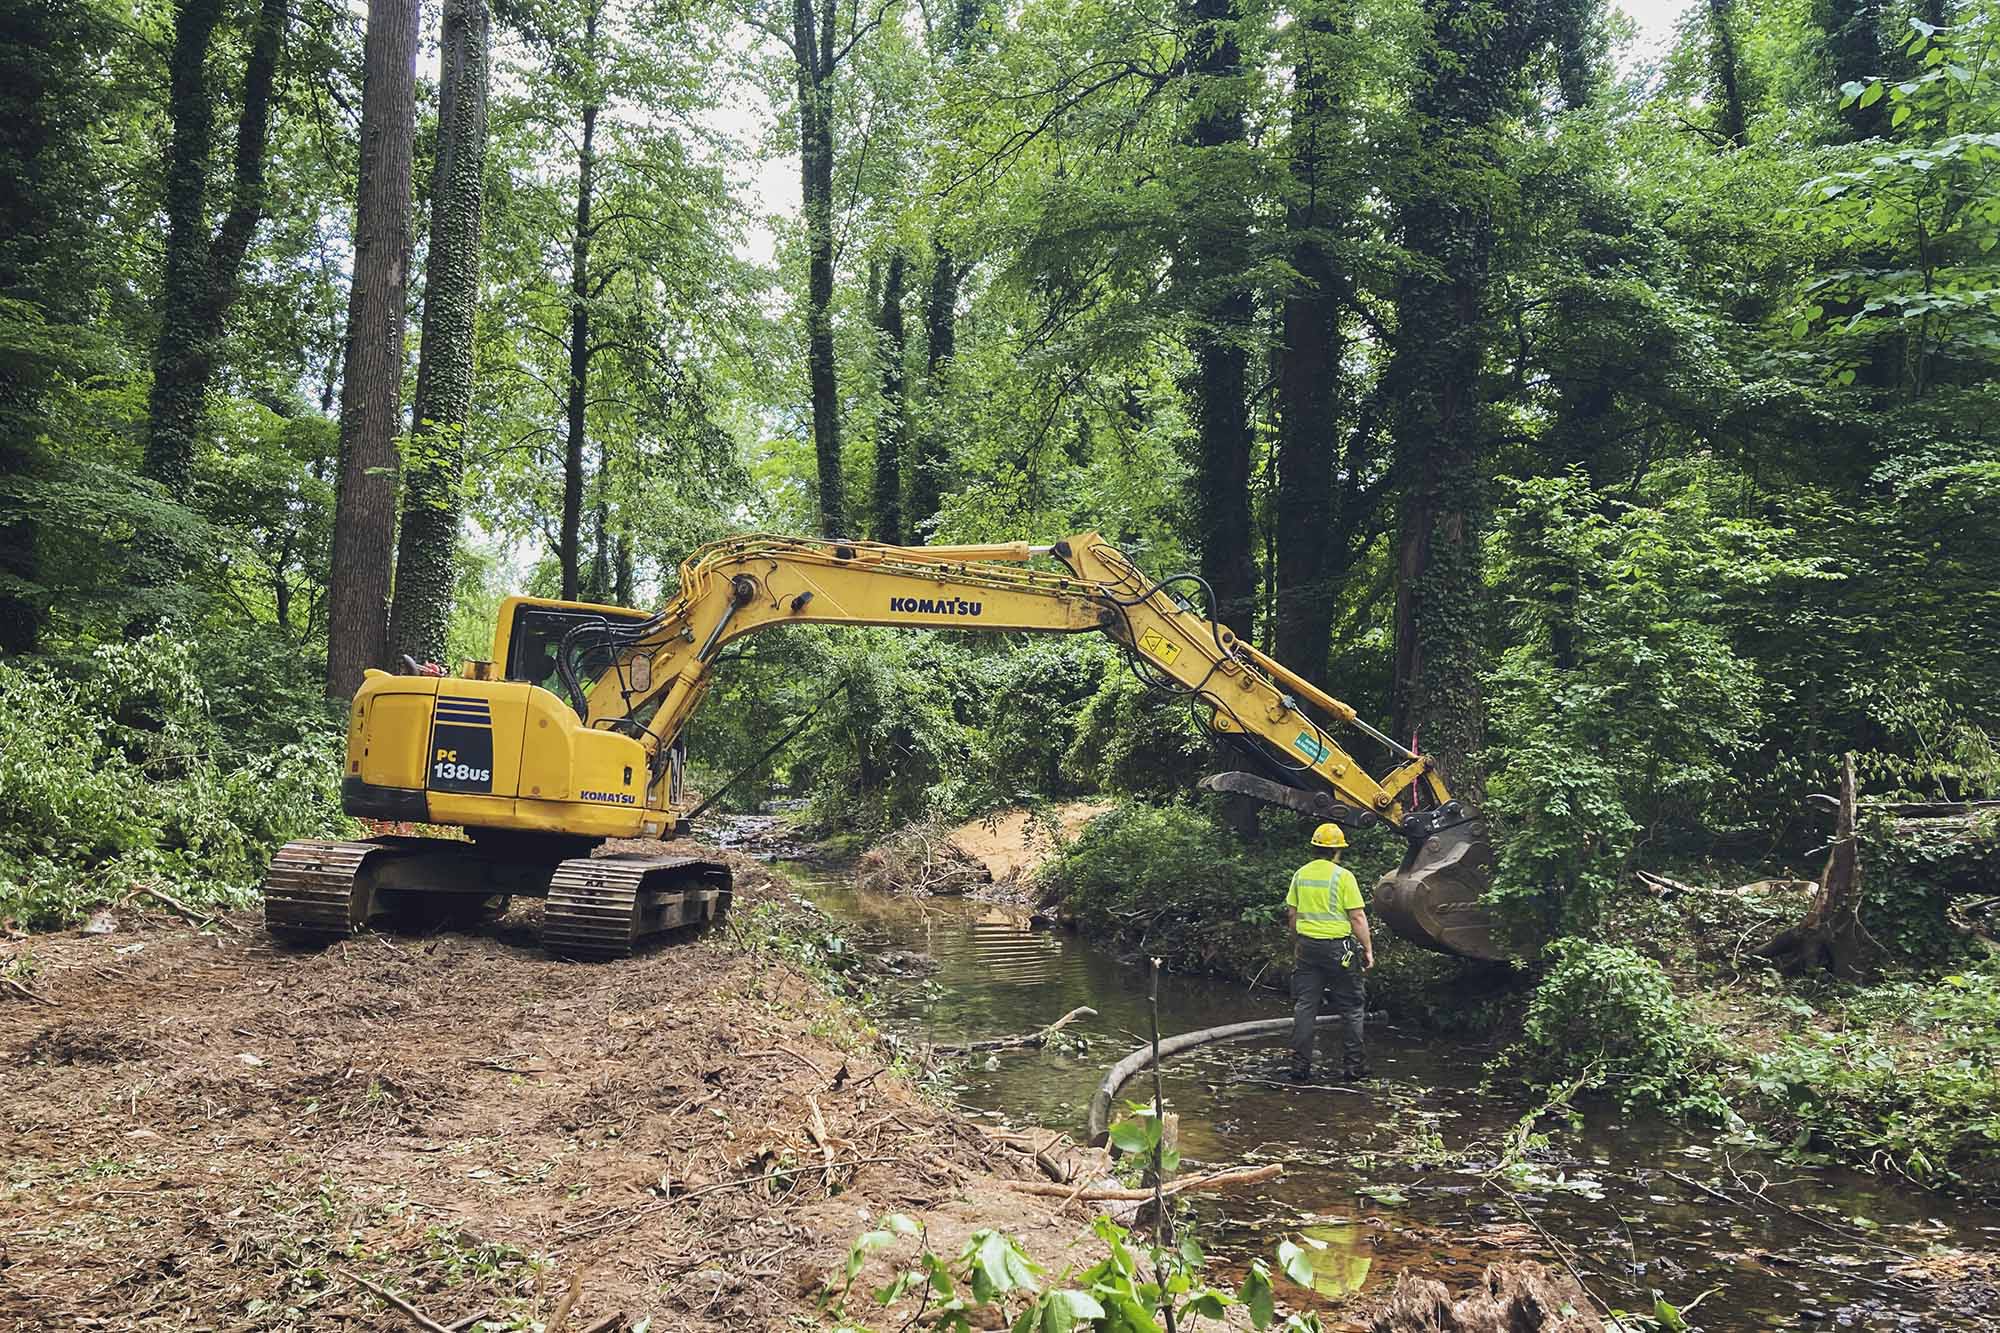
315, 892
1433, 898
608, 906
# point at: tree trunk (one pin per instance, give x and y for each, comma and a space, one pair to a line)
1472, 72
41, 53
812, 38
199, 282
895, 427
1725, 64
927, 469
621, 588
1212, 260
371, 390
1439, 591
1854, 42
1305, 567
568, 551
435, 460
1832, 936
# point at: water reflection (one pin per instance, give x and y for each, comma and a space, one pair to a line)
1393, 1176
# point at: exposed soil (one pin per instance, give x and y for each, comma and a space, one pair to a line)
993, 857
1013, 843
212, 1131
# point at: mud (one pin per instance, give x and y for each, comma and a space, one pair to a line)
206, 1130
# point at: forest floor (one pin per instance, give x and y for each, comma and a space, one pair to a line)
202, 1129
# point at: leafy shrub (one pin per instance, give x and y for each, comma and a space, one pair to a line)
1927, 1102
1134, 741
1910, 878
1174, 880
1609, 1014
1620, 710
1036, 694
113, 771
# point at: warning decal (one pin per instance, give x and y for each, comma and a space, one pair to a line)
1157, 646
1312, 747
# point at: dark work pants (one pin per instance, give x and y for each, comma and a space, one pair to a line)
1317, 972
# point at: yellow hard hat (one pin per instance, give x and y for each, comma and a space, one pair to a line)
1329, 835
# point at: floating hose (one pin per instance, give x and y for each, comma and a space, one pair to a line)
1115, 1077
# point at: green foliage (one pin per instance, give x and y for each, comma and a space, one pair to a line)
1622, 705
1909, 878
1180, 883
1132, 739
1926, 1103
992, 1281
116, 771
1609, 1015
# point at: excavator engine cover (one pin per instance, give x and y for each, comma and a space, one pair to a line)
1433, 898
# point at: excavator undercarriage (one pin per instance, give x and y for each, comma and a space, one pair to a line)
598, 907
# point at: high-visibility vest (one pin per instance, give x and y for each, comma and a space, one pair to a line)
1323, 893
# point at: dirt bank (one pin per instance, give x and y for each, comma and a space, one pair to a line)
210, 1131
991, 857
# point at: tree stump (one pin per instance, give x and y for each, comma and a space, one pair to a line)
1831, 936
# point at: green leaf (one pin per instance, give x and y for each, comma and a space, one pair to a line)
1255, 1293
901, 1224
1295, 1263
1064, 1310
1208, 1303
1872, 96
1668, 1317
1130, 1136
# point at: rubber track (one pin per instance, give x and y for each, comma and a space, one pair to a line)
310, 894
603, 907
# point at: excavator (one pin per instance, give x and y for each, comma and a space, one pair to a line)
574, 735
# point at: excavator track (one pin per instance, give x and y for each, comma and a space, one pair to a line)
314, 892
607, 906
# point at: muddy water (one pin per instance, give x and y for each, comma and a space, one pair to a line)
1393, 1177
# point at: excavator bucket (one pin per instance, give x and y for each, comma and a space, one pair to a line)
1433, 897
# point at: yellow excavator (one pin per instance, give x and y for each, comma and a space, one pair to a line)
574, 734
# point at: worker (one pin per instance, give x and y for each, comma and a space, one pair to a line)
1331, 948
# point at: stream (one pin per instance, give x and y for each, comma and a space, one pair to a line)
1392, 1177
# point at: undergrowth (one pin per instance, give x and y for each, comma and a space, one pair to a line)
118, 769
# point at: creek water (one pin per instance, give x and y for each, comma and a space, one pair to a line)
1393, 1176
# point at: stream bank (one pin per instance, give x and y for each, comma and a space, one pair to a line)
1408, 1172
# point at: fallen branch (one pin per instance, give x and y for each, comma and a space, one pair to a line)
610, 1322
199, 918
1037, 1039
1220, 1180
565, 1305
572, 1233
422, 1320
36, 996
817, 1128
470, 1321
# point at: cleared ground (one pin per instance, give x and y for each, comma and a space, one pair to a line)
207, 1131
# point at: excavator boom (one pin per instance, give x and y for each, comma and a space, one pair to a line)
575, 731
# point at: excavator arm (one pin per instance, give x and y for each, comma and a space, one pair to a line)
659, 669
